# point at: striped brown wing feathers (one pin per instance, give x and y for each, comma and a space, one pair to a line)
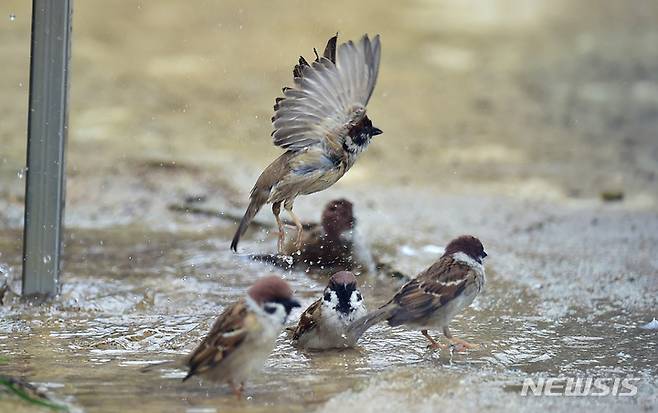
226, 334
307, 320
432, 289
446, 270
329, 96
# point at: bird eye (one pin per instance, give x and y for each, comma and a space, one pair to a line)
270, 309
327, 296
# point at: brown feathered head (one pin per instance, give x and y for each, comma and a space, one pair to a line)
468, 245
345, 278
338, 217
272, 289
339, 291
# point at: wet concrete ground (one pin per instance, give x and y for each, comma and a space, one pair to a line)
509, 120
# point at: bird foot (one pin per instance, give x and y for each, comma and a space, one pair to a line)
298, 240
460, 345
238, 391
280, 243
436, 346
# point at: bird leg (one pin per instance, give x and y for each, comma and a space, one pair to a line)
458, 343
298, 224
237, 390
276, 210
433, 343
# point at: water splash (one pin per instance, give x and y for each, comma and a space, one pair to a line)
651, 325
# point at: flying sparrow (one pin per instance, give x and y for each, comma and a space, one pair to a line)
243, 336
328, 246
323, 325
436, 295
321, 124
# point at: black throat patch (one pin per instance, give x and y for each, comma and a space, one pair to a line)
344, 293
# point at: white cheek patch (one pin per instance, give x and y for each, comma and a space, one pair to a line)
333, 302
353, 148
354, 299
358, 306
278, 315
461, 257
350, 145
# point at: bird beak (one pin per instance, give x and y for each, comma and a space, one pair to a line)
484, 254
290, 304
375, 131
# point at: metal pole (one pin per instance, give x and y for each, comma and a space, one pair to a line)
46, 135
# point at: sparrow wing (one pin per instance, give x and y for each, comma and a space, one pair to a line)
307, 320
228, 331
329, 96
431, 290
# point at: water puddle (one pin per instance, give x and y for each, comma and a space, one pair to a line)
127, 313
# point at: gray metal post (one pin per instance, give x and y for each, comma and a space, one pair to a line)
46, 133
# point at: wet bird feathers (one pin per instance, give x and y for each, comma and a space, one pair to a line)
432, 289
308, 320
329, 96
226, 334
321, 122
432, 297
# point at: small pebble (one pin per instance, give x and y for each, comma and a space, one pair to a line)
612, 196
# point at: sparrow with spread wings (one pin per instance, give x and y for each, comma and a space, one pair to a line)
322, 125
435, 296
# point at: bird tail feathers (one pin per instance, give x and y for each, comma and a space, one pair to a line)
164, 364
253, 208
359, 326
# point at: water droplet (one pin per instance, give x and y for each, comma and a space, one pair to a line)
12, 17
47, 259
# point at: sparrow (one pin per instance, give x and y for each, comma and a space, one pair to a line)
329, 245
323, 325
243, 336
436, 295
322, 125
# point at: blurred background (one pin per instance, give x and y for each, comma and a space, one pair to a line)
544, 99
532, 124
